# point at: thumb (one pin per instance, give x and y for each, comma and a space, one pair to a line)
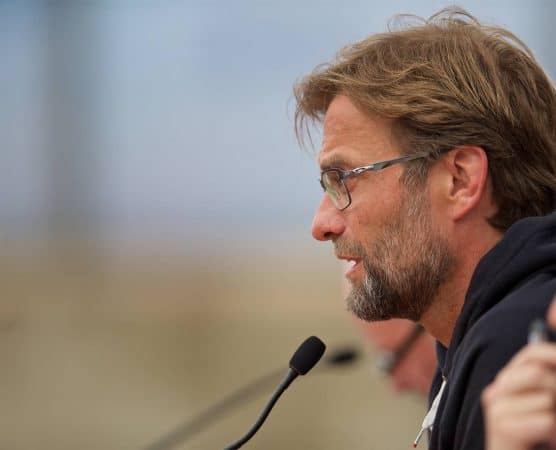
551, 315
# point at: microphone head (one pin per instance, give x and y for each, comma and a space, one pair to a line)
307, 355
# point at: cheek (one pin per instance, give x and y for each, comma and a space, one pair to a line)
375, 201
365, 224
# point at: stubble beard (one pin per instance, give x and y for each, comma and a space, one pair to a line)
405, 266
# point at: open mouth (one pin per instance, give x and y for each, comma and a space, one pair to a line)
352, 266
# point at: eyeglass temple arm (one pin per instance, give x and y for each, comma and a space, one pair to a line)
389, 361
385, 164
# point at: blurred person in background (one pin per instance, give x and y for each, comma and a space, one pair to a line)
407, 355
407, 358
438, 165
520, 405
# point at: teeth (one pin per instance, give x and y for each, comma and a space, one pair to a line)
349, 263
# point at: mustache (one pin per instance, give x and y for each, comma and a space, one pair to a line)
344, 247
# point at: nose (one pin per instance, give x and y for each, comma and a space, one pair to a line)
328, 222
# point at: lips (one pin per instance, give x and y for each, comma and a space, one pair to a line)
352, 265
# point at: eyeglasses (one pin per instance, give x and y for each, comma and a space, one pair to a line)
332, 180
387, 362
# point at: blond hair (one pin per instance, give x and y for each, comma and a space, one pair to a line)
449, 81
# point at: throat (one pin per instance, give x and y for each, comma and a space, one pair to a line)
440, 318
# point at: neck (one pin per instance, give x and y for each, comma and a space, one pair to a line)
446, 306
440, 319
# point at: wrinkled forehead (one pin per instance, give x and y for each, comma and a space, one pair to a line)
355, 138
353, 126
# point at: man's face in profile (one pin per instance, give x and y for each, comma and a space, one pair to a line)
398, 259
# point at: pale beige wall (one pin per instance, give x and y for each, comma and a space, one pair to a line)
111, 350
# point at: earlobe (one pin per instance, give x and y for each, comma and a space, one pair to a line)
468, 167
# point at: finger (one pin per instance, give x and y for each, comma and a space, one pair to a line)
542, 352
523, 404
524, 378
551, 315
522, 431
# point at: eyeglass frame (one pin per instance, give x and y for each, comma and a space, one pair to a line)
387, 363
343, 174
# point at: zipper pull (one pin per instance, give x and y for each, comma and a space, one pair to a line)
428, 421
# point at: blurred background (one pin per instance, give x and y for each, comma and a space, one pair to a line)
154, 221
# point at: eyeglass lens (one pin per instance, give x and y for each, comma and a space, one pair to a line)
334, 187
388, 362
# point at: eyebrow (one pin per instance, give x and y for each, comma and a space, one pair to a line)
334, 162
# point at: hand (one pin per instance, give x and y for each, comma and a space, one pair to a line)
520, 405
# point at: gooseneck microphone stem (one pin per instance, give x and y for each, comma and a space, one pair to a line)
305, 357
207, 417
185, 431
303, 360
290, 376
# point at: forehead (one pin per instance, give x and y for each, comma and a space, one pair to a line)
349, 136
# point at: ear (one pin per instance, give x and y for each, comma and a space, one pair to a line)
464, 179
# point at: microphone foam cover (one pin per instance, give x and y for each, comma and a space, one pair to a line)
307, 355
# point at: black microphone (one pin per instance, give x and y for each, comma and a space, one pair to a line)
304, 359
339, 357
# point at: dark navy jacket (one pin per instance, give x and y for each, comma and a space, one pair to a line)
512, 285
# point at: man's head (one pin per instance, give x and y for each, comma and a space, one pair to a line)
474, 102
446, 82
408, 355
